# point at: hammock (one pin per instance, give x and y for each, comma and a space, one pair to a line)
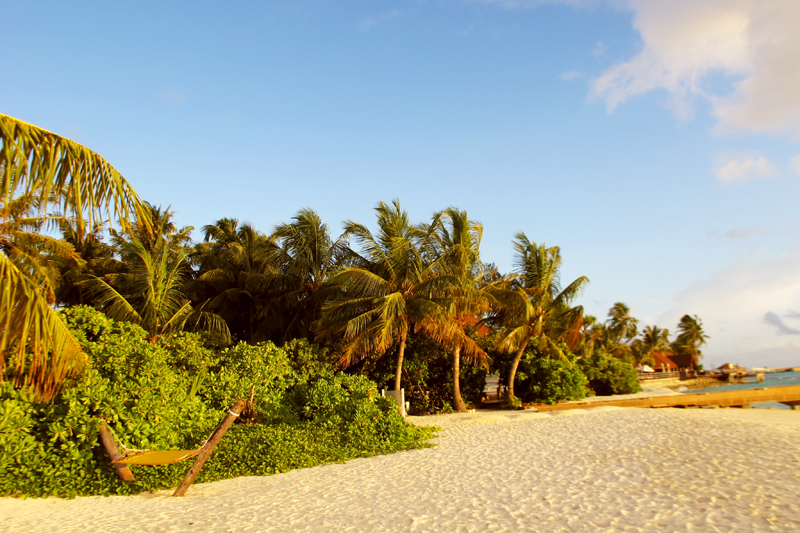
155, 457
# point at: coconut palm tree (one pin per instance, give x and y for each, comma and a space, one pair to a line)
92, 257
690, 337
537, 307
237, 265
620, 330
150, 292
654, 339
463, 298
374, 303
63, 178
307, 256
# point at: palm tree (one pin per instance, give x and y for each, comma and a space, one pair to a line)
60, 177
621, 330
690, 337
654, 339
237, 265
151, 293
537, 307
464, 297
374, 303
92, 257
307, 256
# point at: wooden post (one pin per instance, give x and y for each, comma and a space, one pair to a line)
107, 439
223, 426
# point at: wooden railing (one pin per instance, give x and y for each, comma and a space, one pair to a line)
644, 376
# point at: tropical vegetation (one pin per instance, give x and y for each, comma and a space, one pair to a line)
98, 320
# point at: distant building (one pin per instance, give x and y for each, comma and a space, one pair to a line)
683, 361
663, 363
729, 368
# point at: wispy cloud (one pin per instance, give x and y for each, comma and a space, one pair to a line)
371, 21
736, 234
599, 49
737, 167
792, 314
571, 75
774, 320
174, 97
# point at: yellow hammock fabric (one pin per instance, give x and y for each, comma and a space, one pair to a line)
153, 457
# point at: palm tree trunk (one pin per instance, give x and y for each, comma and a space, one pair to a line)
400, 353
460, 406
512, 373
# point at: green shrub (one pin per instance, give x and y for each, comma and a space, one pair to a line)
542, 379
170, 395
609, 375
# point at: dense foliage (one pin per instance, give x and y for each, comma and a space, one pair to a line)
544, 379
609, 375
170, 395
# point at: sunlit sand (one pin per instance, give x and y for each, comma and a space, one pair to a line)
603, 469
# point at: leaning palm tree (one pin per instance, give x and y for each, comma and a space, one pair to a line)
375, 303
538, 307
67, 179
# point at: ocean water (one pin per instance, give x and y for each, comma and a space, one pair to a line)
777, 379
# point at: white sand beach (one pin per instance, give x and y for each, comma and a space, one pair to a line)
604, 469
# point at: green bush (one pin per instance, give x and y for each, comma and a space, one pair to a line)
546, 380
170, 395
609, 375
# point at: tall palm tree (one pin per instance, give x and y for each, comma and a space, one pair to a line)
374, 303
307, 256
464, 296
690, 337
538, 307
64, 177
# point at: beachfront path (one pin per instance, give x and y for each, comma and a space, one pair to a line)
606, 469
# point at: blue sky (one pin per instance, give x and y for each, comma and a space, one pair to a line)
655, 141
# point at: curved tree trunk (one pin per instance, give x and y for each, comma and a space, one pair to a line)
400, 353
460, 406
512, 373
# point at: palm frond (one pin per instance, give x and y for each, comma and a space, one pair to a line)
38, 351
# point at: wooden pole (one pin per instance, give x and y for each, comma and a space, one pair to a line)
107, 439
223, 426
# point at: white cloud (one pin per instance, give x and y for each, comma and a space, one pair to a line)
737, 167
753, 44
733, 303
796, 164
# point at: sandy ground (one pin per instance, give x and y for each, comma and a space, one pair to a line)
604, 469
